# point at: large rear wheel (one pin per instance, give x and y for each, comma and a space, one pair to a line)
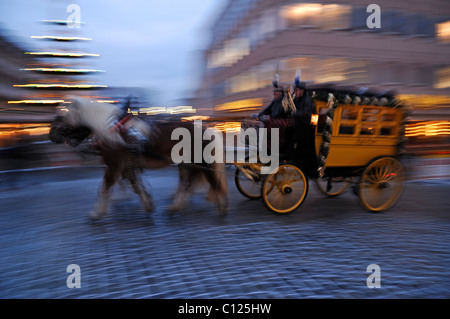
285, 190
381, 184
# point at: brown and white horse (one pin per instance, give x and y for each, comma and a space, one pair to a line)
85, 119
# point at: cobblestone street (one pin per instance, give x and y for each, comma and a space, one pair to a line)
320, 251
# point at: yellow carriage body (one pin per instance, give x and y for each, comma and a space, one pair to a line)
360, 133
364, 143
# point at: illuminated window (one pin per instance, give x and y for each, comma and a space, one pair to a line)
233, 51
348, 121
349, 114
335, 16
443, 32
367, 130
370, 114
330, 16
442, 78
304, 14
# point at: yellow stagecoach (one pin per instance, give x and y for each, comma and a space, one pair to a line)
359, 138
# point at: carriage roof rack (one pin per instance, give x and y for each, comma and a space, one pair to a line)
367, 96
351, 90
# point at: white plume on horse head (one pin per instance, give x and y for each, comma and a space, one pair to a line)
97, 116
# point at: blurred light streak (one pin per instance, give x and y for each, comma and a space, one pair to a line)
27, 128
63, 22
240, 105
427, 129
59, 38
154, 110
59, 86
229, 127
63, 54
426, 101
62, 70
195, 118
36, 102
58, 81
181, 109
107, 101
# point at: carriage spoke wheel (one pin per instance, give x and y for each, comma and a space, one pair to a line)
333, 186
381, 184
284, 191
248, 181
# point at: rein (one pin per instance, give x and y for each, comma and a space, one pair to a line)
122, 122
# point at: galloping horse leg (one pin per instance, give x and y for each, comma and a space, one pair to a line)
183, 189
218, 190
122, 191
101, 206
138, 187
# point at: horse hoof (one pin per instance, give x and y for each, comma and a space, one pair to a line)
223, 213
95, 215
149, 208
173, 208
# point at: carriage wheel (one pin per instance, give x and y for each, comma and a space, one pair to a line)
381, 184
333, 186
248, 181
285, 190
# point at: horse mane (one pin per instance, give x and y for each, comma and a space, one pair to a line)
96, 116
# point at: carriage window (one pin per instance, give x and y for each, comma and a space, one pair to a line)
388, 116
349, 114
346, 129
370, 115
386, 131
367, 130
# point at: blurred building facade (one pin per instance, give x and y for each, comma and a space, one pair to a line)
330, 41
12, 59
18, 121
38, 77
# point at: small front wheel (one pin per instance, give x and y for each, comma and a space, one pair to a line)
248, 181
285, 190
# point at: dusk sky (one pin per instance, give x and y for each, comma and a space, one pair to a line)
148, 44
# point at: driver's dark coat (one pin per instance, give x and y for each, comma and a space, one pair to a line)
275, 110
302, 144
